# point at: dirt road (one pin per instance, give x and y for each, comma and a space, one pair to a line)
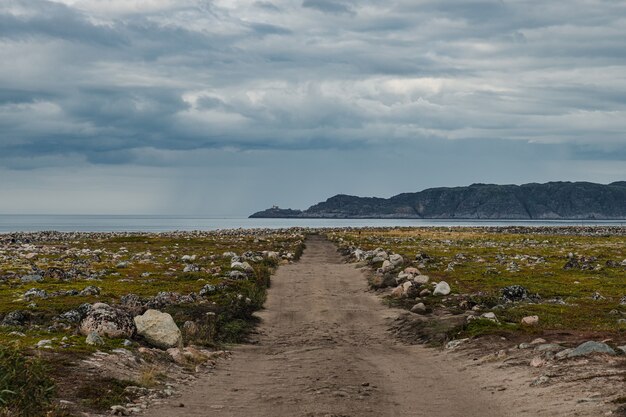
324, 351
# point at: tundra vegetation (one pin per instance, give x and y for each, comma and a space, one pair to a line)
569, 279
69, 297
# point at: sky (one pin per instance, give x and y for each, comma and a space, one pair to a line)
226, 107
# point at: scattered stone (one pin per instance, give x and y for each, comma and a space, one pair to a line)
514, 293
513, 267
159, 329
489, 316
90, 290
396, 260
94, 339
242, 266
237, 275
596, 296
118, 410
542, 380
425, 292
207, 290
421, 279
190, 329
582, 263
188, 258
55, 273
453, 344
16, 318
563, 354
191, 268
419, 308
589, 348
35, 293
442, 288
402, 276
44, 343
530, 320
31, 278
386, 266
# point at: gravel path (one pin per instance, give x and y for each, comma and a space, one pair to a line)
324, 351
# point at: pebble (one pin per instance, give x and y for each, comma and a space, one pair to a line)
542, 380
418, 308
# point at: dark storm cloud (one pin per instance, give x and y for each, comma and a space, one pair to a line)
103, 81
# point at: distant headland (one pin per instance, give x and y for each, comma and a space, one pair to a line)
549, 201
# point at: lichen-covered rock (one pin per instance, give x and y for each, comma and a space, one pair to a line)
16, 318
514, 293
242, 266
54, 273
207, 290
90, 290
31, 278
105, 320
237, 275
158, 329
35, 293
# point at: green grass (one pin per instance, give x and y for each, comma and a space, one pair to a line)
483, 272
102, 393
26, 390
154, 265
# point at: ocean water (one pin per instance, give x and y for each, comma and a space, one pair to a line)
139, 223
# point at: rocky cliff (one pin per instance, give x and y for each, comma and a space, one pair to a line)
553, 200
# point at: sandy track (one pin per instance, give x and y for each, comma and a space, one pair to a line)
324, 351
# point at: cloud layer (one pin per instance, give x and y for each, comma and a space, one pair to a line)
151, 83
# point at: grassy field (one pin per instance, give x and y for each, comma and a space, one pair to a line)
46, 277
577, 278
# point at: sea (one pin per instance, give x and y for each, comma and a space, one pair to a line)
153, 223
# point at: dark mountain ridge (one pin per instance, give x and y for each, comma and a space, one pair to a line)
549, 201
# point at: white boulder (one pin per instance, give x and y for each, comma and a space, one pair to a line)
442, 289
159, 329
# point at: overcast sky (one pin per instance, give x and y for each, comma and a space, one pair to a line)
226, 107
